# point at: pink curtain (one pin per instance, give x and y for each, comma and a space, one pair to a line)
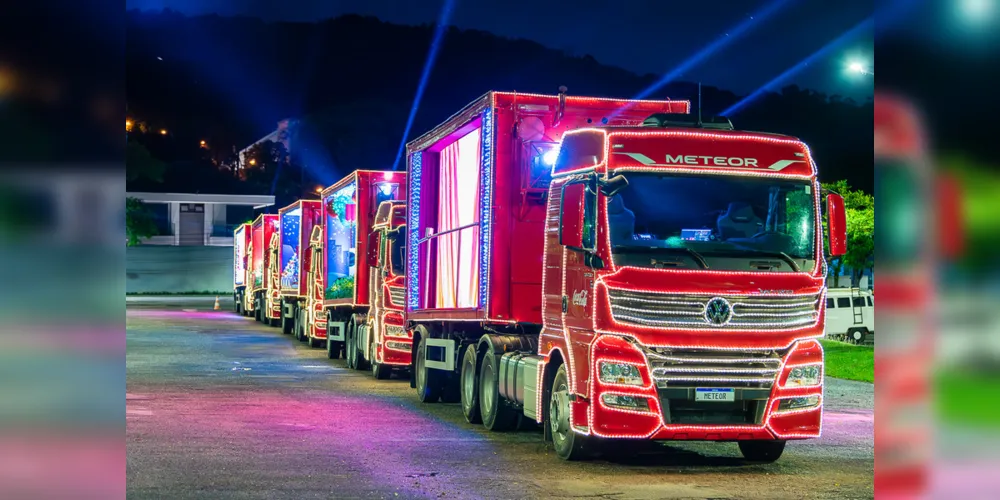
458, 205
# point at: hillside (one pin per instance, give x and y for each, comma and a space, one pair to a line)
229, 80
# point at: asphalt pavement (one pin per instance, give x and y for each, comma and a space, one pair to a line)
219, 406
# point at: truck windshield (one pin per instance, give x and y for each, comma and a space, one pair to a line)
733, 223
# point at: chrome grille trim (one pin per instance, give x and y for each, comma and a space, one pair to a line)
761, 312
396, 294
714, 368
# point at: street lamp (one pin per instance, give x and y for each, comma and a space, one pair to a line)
163, 131
859, 68
253, 161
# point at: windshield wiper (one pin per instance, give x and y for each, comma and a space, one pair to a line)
782, 255
694, 255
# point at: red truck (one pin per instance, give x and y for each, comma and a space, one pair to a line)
618, 270
261, 301
296, 223
241, 244
356, 290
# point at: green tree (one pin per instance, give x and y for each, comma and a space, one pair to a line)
860, 214
140, 164
139, 224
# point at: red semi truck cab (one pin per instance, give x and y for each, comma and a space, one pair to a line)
297, 222
261, 288
241, 270
347, 281
656, 278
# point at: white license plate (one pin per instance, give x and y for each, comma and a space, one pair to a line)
714, 394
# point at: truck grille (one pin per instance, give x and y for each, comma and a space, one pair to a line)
755, 369
690, 311
396, 294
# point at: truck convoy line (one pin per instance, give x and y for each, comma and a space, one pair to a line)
610, 269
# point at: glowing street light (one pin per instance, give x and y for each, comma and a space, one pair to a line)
202, 143
128, 125
319, 189
859, 68
163, 131
253, 161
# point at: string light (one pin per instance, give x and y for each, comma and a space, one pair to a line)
413, 251
486, 209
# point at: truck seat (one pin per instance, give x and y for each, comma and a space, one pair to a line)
739, 221
621, 222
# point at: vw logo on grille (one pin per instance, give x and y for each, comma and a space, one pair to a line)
718, 311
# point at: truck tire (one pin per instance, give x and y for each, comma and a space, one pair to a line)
568, 444
497, 415
428, 381
300, 326
381, 371
286, 325
257, 313
469, 385
762, 451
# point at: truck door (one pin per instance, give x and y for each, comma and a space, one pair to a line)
579, 292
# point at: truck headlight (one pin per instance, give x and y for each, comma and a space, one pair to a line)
798, 403
805, 376
626, 402
620, 373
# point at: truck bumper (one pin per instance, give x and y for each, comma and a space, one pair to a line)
396, 351
667, 409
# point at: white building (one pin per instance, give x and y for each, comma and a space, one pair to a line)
199, 219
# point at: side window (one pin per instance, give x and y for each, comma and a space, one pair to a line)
829, 303
843, 302
859, 302
870, 303
589, 219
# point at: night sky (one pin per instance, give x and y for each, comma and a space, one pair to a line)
644, 36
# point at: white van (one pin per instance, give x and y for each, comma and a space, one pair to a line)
850, 315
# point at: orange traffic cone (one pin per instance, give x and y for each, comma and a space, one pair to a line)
217, 303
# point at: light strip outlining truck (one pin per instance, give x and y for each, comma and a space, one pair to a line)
241, 270
618, 270
262, 299
356, 294
296, 222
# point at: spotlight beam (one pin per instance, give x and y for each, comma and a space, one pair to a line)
428, 65
729, 36
867, 24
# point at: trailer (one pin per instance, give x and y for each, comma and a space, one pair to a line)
263, 293
296, 222
348, 288
617, 270
241, 244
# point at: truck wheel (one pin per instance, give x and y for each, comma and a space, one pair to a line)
762, 451
257, 312
300, 326
497, 415
381, 371
428, 381
351, 345
568, 444
469, 383
286, 325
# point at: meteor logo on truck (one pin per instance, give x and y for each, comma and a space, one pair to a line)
710, 161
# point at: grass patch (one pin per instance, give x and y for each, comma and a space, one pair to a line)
968, 398
165, 294
847, 361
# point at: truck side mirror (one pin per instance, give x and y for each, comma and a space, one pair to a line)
372, 252
613, 185
836, 224
571, 212
951, 234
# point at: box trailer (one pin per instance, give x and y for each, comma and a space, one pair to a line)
241, 244
296, 222
262, 299
348, 286
617, 270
